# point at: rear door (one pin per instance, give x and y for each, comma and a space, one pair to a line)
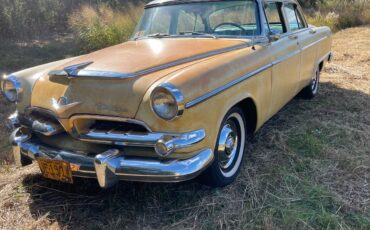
285, 54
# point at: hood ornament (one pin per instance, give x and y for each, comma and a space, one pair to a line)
74, 69
62, 106
63, 76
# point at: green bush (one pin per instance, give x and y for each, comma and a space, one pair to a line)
21, 19
32, 19
341, 14
99, 27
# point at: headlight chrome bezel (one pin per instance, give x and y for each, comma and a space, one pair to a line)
16, 85
172, 91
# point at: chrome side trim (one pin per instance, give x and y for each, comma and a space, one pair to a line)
287, 34
283, 58
115, 75
314, 43
245, 77
225, 87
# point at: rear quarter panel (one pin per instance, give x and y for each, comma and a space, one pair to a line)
324, 47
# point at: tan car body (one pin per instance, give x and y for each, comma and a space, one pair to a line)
213, 75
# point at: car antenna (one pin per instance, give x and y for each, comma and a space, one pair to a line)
253, 41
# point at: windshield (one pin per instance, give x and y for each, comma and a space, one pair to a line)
214, 19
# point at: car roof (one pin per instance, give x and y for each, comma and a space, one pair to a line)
174, 2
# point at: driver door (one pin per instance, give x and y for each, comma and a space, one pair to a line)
285, 55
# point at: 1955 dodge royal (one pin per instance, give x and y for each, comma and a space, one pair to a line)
176, 101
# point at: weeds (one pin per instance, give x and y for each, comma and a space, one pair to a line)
340, 14
96, 28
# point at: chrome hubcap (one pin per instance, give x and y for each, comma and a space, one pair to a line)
228, 145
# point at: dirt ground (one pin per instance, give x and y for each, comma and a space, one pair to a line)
307, 168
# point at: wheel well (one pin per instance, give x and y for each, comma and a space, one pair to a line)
249, 108
321, 66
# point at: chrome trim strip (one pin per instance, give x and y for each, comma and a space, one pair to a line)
124, 139
283, 58
180, 140
245, 77
287, 34
225, 87
115, 75
314, 43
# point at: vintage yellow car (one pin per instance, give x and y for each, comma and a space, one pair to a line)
175, 102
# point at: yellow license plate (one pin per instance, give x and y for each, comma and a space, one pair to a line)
56, 170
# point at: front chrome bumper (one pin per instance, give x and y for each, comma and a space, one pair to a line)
111, 166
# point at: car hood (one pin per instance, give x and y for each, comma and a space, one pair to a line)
144, 62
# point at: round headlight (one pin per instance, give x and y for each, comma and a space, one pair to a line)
167, 101
11, 89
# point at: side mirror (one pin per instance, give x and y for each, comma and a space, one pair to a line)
274, 37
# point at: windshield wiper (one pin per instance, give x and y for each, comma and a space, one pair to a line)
200, 34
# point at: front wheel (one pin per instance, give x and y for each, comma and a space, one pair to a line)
311, 90
229, 150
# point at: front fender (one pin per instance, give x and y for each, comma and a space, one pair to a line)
28, 78
209, 75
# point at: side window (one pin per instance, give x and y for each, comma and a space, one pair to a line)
238, 20
294, 22
301, 20
275, 18
189, 22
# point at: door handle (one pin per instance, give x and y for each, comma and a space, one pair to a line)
313, 31
293, 37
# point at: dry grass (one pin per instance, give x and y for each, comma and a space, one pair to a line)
340, 14
100, 26
308, 168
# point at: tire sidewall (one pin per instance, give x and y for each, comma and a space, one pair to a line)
217, 177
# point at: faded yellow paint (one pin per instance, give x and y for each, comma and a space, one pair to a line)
290, 63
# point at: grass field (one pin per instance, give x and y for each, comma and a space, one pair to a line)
307, 168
